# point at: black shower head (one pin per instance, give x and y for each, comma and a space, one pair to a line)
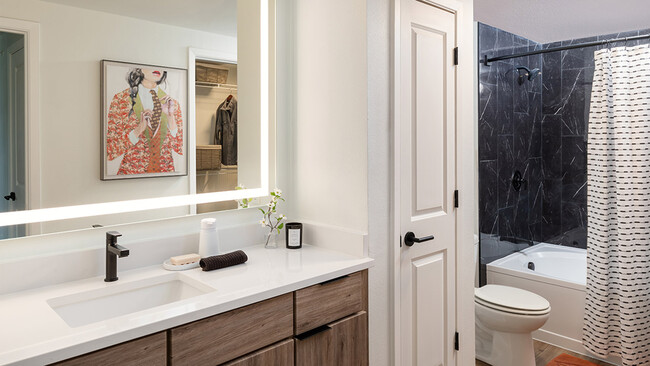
528, 73
533, 73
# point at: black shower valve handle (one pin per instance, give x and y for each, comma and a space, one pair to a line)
518, 181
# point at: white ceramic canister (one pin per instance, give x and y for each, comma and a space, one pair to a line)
208, 238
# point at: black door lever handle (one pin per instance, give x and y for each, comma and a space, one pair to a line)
410, 239
11, 196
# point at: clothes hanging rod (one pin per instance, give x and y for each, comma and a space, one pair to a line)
215, 85
486, 61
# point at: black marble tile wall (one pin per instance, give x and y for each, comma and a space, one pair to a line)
567, 79
539, 128
510, 139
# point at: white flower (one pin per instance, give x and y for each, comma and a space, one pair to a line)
263, 223
277, 191
281, 217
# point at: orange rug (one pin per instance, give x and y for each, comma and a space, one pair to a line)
567, 360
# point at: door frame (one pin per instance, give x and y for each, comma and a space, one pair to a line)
199, 54
31, 32
466, 222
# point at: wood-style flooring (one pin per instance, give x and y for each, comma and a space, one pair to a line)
544, 353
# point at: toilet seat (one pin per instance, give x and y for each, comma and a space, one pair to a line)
511, 300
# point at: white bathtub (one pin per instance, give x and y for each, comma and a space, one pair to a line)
560, 275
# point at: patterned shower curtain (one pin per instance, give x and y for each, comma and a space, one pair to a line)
617, 314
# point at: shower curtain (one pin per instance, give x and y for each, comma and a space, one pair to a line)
617, 313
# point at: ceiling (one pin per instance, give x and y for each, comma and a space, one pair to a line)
214, 16
546, 21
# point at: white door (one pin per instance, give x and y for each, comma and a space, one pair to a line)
17, 145
427, 169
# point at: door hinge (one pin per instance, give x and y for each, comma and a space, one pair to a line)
456, 342
455, 55
456, 198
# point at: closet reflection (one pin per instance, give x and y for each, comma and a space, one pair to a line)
216, 131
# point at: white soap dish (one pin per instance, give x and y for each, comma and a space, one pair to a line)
182, 267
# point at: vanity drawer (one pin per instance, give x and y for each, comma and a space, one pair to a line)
342, 343
224, 337
329, 301
149, 350
279, 354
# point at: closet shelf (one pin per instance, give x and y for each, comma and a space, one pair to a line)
202, 173
205, 84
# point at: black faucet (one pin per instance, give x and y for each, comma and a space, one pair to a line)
112, 252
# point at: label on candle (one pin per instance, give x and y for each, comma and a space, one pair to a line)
294, 238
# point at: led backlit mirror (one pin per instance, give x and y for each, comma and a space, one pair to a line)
130, 110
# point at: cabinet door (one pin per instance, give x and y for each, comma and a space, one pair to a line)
341, 343
326, 302
150, 350
224, 337
279, 354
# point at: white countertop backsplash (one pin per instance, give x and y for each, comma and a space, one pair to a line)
33, 334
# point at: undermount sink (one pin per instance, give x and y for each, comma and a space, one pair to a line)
118, 299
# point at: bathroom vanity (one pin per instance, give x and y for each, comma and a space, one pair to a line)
306, 322
282, 307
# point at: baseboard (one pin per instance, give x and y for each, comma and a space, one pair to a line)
570, 344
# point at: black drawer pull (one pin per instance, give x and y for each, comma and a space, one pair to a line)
334, 280
313, 332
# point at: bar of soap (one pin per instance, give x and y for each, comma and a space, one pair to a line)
179, 260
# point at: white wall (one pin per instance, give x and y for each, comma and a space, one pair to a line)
248, 76
379, 177
329, 113
4, 124
336, 108
73, 41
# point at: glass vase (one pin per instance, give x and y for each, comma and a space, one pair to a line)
271, 240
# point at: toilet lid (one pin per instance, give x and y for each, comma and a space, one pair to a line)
510, 297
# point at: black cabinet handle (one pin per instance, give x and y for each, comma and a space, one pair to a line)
11, 196
410, 239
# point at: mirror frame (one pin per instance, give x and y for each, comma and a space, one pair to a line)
108, 208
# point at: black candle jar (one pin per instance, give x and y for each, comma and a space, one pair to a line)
294, 235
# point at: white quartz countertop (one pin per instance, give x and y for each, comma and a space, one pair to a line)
32, 333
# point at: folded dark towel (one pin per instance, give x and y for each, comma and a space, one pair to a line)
222, 261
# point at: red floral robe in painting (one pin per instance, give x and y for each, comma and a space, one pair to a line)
151, 154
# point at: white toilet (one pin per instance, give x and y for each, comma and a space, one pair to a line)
505, 318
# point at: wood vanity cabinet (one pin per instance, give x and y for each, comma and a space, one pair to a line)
341, 343
279, 354
150, 350
321, 325
328, 301
332, 322
224, 337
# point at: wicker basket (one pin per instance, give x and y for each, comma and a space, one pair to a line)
209, 74
208, 157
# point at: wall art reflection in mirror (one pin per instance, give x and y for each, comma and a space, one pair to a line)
144, 109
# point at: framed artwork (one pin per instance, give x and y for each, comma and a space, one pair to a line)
144, 121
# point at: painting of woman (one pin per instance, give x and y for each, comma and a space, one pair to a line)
144, 127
